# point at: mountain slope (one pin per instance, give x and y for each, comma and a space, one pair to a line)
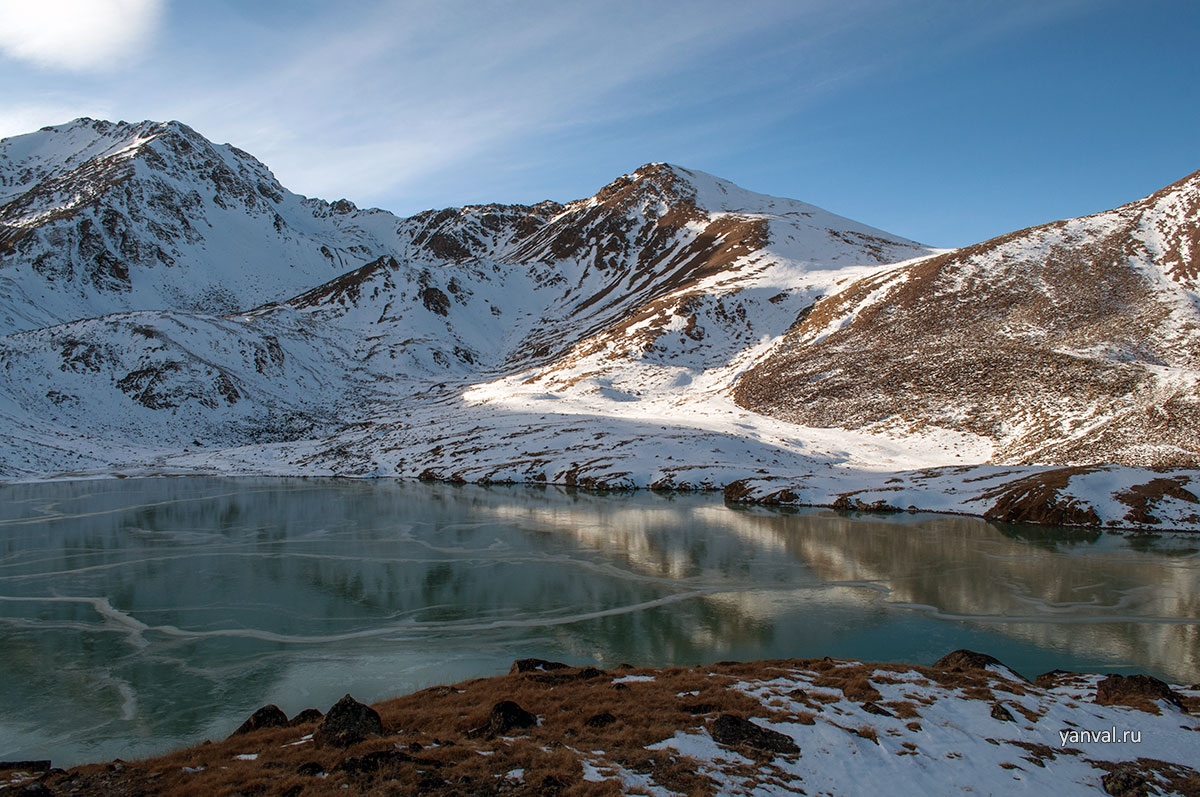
97, 218
471, 294
1070, 343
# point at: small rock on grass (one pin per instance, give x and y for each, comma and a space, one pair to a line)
1125, 783
348, 722
310, 769
269, 716
731, 730
964, 659
506, 716
307, 715
534, 665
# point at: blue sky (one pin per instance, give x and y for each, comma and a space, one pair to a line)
948, 121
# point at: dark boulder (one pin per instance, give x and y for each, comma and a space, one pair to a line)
269, 716
999, 712
310, 769
1125, 781
551, 785
1049, 680
506, 716
1134, 690
600, 720
731, 730
305, 716
347, 723
535, 665
966, 660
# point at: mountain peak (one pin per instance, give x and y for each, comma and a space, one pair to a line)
693, 190
659, 181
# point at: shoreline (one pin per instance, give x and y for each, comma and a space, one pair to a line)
1103, 497
773, 726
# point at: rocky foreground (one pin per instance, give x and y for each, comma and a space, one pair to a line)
770, 727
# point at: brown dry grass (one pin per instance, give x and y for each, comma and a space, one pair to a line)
867, 732
977, 338
852, 680
431, 727
903, 709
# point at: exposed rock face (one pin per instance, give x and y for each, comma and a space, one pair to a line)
348, 722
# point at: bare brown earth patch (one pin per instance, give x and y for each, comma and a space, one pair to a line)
1038, 498
1140, 498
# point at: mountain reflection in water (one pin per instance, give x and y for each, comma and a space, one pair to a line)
138, 615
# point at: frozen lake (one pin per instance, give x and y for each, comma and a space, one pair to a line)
141, 615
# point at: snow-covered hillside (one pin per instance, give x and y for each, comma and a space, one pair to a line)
173, 309
1071, 343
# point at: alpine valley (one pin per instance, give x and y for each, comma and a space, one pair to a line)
167, 307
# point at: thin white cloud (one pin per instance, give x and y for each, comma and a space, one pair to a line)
77, 35
391, 96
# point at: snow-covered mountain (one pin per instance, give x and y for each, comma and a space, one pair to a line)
98, 218
172, 308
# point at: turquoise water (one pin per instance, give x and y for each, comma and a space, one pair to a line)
141, 615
